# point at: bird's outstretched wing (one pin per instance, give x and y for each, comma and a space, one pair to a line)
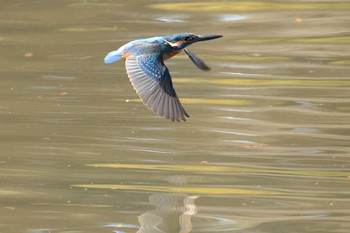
152, 82
198, 62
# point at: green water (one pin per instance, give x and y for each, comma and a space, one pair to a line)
266, 149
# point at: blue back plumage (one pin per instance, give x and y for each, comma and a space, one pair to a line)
150, 45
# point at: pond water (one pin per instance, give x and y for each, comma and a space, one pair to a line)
267, 147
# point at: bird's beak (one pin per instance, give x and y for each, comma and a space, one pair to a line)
208, 37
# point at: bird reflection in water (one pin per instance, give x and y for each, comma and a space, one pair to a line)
173, 211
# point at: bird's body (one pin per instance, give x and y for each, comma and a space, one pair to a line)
144, 61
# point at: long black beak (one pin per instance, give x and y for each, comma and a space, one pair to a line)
197, 61
208, 37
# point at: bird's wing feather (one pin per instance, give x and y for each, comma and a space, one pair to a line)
152, 82
198, 62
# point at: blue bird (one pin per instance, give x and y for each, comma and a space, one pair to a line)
144, 62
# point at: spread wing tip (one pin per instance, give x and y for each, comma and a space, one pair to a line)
174, 113
152, 82
155, 99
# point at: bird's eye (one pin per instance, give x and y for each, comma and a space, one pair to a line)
189, 38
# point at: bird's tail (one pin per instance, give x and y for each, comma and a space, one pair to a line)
112, 57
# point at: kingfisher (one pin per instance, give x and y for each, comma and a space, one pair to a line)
144, 63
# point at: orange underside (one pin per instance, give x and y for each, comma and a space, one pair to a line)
165, 56
171, 54
126, 55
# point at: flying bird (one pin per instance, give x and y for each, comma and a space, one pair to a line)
144, 62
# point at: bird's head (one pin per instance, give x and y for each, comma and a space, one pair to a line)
182, 40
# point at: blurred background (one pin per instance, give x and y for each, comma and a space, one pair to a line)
266, 148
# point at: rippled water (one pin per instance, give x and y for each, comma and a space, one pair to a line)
266, 148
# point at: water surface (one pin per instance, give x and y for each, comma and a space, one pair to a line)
266, 148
